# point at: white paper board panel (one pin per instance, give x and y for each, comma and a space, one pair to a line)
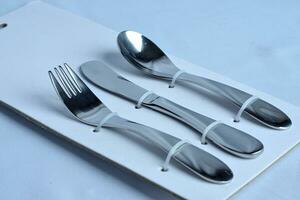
39, 37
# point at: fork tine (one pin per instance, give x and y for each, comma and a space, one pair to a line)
77, 80
68, 80
57, 86
63, 82
72, 74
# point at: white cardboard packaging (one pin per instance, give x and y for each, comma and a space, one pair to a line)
39, 37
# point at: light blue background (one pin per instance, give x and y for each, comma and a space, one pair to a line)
255, 42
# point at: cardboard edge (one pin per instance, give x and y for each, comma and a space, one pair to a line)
97, 155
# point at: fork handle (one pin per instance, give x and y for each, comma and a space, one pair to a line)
161, 140
228, 138
260, 110
195, 159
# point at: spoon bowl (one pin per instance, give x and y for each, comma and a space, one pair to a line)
145, 55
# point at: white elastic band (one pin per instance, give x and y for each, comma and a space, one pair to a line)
207, 129
176, 148
176, 75
247, 103
110, 115
142, 98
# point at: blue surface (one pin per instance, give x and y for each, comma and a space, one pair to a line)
223, 36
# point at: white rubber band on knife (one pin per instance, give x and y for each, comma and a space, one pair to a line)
245, 105
175, 77
208, 129
142, 98
175, 149
110, 115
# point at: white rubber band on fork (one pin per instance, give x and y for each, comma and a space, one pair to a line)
175, 77
110, 115
207, 129
142, 98
176, 148
247, 103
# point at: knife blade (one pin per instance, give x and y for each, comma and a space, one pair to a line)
226, 137
109, 80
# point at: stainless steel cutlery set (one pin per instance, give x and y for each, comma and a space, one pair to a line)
149, 58
146, 56
224, 136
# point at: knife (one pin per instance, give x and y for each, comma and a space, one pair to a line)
224, 136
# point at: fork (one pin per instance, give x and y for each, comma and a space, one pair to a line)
87, 108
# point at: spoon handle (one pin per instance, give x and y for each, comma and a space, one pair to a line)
260, 110
226, 137
195, 159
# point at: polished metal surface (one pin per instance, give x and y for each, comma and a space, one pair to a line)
226, 137
87, 108
104, 77
148, 57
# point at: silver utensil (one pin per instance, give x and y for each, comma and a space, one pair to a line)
148, 57
228, 138
87, 108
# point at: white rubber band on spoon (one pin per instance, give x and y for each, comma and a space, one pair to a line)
175, 77
245, 105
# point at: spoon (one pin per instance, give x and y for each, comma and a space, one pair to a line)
149, 58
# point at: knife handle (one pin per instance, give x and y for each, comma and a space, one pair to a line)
228, 138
